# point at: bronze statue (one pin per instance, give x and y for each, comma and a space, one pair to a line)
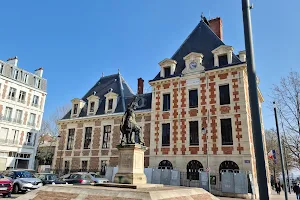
129, 128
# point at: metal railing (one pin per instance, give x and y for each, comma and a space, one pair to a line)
18, 121
28, 143
35, 105
21, 101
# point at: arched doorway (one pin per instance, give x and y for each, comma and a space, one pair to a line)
165, 164
193, 168
228, 166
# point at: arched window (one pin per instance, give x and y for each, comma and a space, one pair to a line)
193, 168
228, 166
165, 164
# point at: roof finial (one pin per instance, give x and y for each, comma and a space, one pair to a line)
202, 16
118, 70
102, 74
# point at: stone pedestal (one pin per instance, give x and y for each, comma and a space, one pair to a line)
131, 164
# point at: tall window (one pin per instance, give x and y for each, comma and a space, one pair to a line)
226, 131
88, 137
106, 137
92, 106
22, 96
37, 82
194, 133
166, 134
166, 102
4, 133
19, 116
70, 139
223, 60
110, 104
1, 68
67, 166
84, 165
167, 71
193, 98
8, 113
35, 101
12, 93
28, 138
75, 108
15, 74
103, 167
16, 135
25, 77
32, 119
224, 94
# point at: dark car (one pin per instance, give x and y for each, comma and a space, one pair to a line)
48, 178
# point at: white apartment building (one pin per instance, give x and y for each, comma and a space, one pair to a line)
22, 100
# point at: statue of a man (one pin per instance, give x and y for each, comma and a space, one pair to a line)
129, 126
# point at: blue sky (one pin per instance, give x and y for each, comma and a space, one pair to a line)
75, 41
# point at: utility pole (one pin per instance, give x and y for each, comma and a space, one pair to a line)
255, 112
280, 151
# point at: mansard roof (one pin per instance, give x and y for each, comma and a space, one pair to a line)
114, 83
201, 40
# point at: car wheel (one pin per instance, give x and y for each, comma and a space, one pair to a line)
16, 188
4, 195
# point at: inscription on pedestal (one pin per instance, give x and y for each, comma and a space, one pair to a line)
126, 161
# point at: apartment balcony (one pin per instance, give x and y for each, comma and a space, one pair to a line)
35, 105
17, 121
31, 124
21, 101
11, 98
8, 141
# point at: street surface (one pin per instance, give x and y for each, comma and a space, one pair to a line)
274, 196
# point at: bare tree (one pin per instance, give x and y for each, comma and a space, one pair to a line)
287, 95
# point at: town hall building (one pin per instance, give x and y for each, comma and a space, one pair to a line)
198, 108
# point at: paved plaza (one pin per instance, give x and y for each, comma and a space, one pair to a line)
274, 196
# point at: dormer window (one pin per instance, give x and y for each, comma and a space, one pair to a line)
110, 104
193, 63
223, 60
167, 71
222, 55
92, 107
167, 67
75, 109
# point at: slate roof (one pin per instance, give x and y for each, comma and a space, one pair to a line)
118, 85
201, 40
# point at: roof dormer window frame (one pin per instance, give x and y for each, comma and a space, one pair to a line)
221, 51
93, 99
111, 96
167, 63
77, 105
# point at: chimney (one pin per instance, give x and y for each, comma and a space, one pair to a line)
140, 89
217, 27
242, 56
13, 61
39, 72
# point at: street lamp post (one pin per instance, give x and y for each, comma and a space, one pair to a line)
254, 104
280, 151
204, 132
59, 172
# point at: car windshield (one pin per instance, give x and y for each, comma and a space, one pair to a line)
52, 177
96, 176
24, 174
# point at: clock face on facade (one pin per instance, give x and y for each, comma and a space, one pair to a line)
193, 65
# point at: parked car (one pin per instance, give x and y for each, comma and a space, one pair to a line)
97, 178
23, 180
48, 178
83, 178
6, 185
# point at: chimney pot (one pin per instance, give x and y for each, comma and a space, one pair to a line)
140, 86
39, 72
242, 56
13, 61
217, 26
